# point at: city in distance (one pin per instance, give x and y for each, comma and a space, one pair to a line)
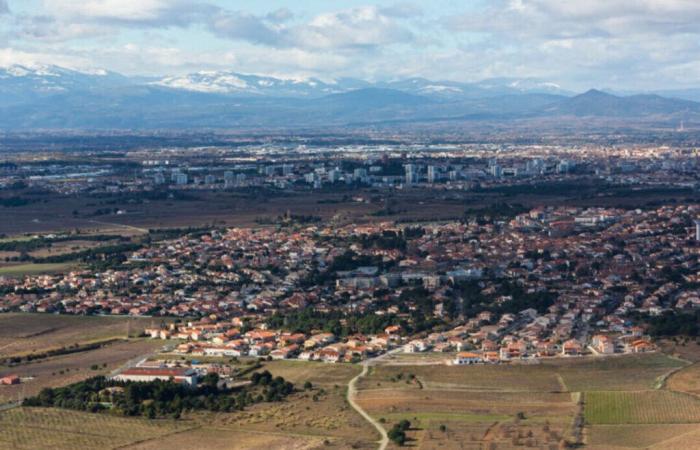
376, 225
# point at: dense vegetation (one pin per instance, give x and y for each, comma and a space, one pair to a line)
673, 323
309, 320
162, 398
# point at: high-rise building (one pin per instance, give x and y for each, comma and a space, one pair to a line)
411, 176
181, 179
697, 230
433, 174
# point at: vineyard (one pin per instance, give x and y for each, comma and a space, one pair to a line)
642, 407
36, 428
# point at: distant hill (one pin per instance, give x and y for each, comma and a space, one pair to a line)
52, 97
598, 103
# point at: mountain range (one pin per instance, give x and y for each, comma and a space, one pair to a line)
51, 97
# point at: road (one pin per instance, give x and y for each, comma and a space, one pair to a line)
352, 393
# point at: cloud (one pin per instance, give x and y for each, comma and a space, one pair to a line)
566, 19
594, 42
135, 13
350, 28
4, 8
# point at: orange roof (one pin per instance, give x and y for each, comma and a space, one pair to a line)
468, 355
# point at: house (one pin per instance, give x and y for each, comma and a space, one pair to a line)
466, 358
9, 380
641, 346
416, 345
603, 344
146, 374
392, 329
571, 348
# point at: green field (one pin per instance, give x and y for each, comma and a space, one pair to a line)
36, 269
624, 373
643, 407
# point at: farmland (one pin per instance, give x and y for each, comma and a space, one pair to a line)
23, 334
642, 407
507, 406
37, 428
318, 417
70, 368
20, 270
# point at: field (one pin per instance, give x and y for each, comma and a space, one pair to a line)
320, 414
39, 428
20, 270
535, 405
52, 212
471, 407
22, 334
70, 368
686, 380
645, 407
315, 418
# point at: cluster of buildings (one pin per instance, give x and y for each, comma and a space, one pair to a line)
293, 167
551, 281
211, 337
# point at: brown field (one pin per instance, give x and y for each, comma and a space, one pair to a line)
40, 428
500, 406
71, 368
479, 406
224, 439
685, 349
301, 422
686, 380
329, 417
239, 208
22, 334
536, 378
626, 373
640, 436
327, 375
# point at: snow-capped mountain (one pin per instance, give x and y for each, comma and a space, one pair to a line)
228, 82
52, 97
20, 83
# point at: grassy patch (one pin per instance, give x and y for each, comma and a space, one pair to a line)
36, 269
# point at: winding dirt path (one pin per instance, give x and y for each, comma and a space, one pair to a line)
352, 393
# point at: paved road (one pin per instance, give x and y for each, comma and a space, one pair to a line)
352, 393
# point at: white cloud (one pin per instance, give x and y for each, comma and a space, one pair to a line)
357, 27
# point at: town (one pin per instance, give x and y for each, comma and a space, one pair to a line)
544, 283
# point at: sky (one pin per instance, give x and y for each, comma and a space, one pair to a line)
578, 44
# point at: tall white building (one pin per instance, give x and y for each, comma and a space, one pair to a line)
433, 174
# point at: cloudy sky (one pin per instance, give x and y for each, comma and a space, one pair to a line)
621, 44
